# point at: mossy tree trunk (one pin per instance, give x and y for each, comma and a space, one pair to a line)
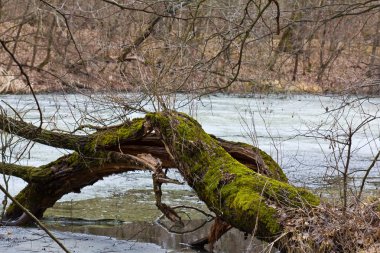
48, 183
242, 197
241, 184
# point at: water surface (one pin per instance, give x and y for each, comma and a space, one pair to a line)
280, 125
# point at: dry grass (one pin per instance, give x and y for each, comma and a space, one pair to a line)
329, 229
9, 83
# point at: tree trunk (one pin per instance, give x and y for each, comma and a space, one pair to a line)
241, 184
373, 70
48, 183
240, 196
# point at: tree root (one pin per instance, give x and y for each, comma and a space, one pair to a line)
20, 221
217, 230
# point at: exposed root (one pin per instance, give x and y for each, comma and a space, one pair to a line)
217, 230
24, 219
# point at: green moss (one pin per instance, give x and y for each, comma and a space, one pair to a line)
114, 136
253, 205
229, 188
29, 197
27, 173
74, 158
273, 166
40, 174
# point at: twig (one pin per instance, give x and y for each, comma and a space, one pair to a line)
63, 15
270, 246
367, 172
28, 83
26, 211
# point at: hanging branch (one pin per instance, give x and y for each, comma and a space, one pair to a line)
28, 83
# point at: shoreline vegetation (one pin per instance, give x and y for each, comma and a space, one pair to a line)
297, 88
365, 87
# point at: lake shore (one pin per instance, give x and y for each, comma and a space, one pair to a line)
19, 239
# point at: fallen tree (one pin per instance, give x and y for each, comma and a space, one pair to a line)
241, 184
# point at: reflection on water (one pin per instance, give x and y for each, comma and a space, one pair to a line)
233, 241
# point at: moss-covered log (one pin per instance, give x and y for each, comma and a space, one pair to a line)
48, 183
242, 197
240, 183
135, 137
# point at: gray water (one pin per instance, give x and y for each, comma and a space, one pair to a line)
17, 239
275, 123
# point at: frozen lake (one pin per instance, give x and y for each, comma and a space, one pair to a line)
278, 124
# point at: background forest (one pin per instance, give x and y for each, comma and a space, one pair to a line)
191, 46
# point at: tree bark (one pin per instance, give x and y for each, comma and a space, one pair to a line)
240, 196
240, 183
48, 183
